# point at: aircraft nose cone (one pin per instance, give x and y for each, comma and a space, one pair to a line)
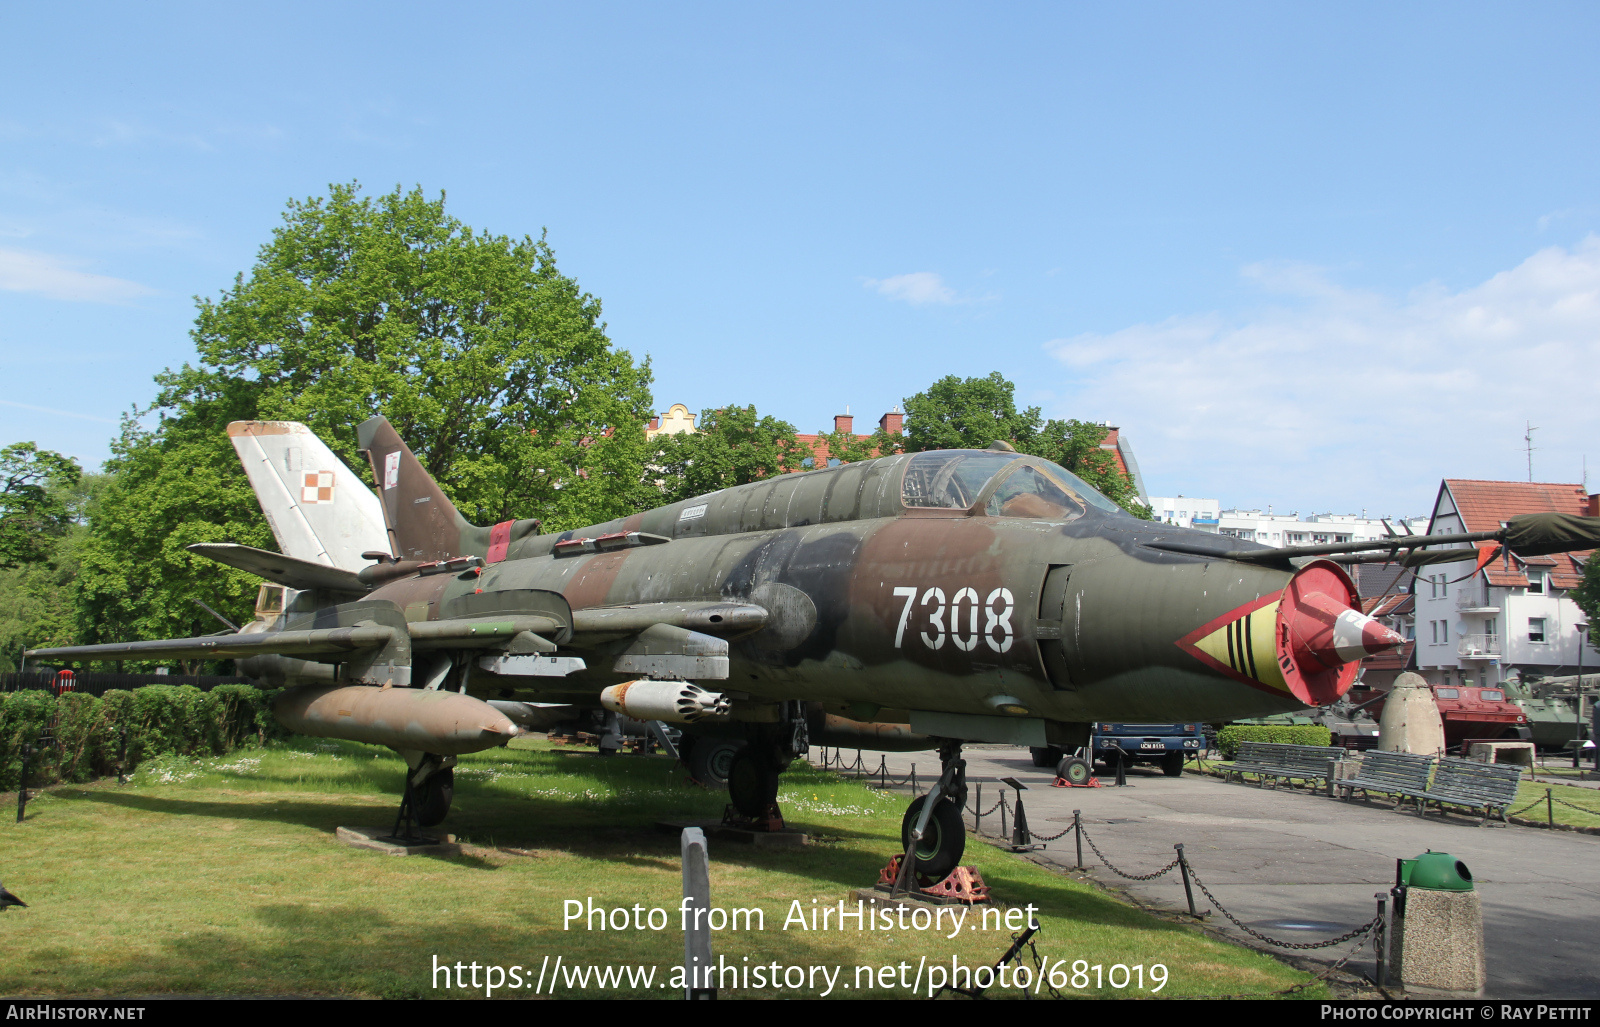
1332, 633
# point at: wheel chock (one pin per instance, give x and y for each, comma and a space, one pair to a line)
1061, 782
963, 884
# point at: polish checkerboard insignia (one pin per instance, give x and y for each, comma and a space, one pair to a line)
317, 487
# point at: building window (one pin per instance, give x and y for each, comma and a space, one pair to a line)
1536, 583
1536, 629
1444, 631
1435, 626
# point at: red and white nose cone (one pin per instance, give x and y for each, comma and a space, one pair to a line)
1322, 635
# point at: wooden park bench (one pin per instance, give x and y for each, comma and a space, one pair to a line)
1290, 762
1401, 774
1490, 787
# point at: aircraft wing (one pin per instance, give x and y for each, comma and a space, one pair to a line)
314, 642
285, 570
1527, 535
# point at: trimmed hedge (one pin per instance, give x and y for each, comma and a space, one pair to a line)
160, 720
1228, 738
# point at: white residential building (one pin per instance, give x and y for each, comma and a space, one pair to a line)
1279, 529
1475, 626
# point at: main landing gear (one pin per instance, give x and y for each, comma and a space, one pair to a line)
430, 787
753, 770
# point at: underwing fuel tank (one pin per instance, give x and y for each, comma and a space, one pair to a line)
446, 723
675, 702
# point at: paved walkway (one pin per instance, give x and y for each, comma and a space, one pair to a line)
1275, 854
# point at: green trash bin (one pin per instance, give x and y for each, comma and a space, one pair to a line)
1435, 871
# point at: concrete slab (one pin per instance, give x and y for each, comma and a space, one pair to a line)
377, 839
1272, 854
742, 835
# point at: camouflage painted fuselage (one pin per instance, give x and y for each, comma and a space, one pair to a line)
874, 605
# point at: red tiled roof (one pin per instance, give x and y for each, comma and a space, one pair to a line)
1486, 505
1394, 659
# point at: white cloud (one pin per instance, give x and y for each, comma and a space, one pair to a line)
918, 288
27, 271
1342, 398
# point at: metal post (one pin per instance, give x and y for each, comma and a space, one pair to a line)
914, 788
883, 772
1378, 940
1002, 814
977, 812
696, 910
1549, 809
122, 759
22, 784
1122, 768
1077, 834
1183, 865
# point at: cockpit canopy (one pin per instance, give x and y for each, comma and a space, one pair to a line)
1027, 486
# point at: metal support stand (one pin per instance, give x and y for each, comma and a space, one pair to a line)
1122, 768
1021, 836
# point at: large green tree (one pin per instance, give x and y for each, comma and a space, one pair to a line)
45, 495
493, 365
36, 508
1587, 594
972, 413
733, 445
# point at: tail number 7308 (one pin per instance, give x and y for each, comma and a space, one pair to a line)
957, 619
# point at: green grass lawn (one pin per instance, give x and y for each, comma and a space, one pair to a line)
222, 877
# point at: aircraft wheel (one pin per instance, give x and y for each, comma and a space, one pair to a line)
1172, 764
1046, 757
1074, 770
752, 781
943, 842
432, 798
710, 761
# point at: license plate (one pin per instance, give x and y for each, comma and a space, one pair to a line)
1151, 745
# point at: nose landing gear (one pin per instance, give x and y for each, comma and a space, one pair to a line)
933, 831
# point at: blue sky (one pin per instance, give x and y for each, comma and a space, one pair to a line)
1318, 256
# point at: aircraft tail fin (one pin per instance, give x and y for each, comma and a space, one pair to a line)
423, 524
320, 511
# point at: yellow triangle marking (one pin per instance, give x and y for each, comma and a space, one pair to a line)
1247, 645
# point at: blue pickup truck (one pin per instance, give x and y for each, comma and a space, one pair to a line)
1168, 745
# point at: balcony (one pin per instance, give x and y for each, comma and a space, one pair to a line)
1478, 647
1475, 599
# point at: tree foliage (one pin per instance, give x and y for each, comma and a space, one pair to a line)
972, 413
847, 447
1587, 594
491, 364
733, 446
36, 502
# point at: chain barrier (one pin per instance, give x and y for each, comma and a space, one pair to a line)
1120, 873
988, 811
1048, 838
1580, 809
1516, 812
1039, 970
1353, 933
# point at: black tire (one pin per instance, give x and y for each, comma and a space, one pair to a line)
431, 799
752, 782
1172, 764
711, 759
1046, 757
942, 846
1074, 770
